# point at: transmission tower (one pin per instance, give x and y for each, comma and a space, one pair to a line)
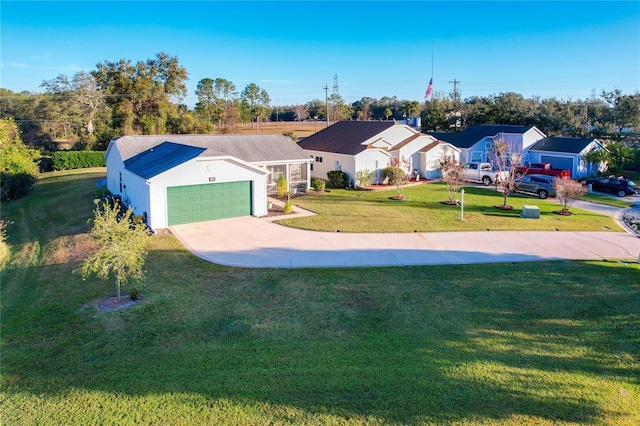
335, 84
456, 93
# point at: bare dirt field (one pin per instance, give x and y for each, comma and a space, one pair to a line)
269, 128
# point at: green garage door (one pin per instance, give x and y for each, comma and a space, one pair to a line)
198, 203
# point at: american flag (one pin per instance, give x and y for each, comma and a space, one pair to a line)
429, 89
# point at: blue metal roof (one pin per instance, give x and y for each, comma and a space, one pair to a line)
161, 158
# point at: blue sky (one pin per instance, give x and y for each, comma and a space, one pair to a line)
292, 49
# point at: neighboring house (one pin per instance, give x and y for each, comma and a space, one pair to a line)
475, 141
175, 179
567, 153
352, 146
424, 153
432, 154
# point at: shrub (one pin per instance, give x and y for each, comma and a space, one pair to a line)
5, 250
282, 186
337, 178
568, 191
68, 160
15, 185
318, 184
395, 175
364, 177
134, 293
288, 206
452, 172
17, 163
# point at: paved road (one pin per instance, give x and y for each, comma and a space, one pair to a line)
260, 243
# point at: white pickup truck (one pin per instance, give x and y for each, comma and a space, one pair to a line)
482, 172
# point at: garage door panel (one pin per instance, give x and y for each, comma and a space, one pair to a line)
557, 162
198, 203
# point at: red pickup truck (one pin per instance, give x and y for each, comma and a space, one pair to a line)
541, 169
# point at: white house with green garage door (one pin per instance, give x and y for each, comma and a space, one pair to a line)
177, 179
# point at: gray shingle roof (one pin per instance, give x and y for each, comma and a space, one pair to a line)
345, 137
473, 134
573, 145
249, 148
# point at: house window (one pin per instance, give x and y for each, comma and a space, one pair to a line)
297, 173
276, 172
338, 167
476, 157
319, 159
120, 177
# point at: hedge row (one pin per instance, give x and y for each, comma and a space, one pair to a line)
67, 160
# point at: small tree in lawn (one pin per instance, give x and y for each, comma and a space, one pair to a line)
568, 191
121, 246
505, 157
398, 174
452, 172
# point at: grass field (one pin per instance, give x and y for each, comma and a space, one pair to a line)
373, 211
532, 343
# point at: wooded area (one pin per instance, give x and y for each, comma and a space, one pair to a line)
86, 110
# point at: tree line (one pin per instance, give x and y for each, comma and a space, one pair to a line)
119, 98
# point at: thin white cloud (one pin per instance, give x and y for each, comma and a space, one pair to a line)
46, 55
18, 65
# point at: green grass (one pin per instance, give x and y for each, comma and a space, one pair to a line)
605, 199
527, 343
369, 211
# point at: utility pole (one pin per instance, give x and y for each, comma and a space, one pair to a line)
326, 101
456, 94
456, 102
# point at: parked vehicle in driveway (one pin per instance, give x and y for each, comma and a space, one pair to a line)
482, 172
615, 185
541, 169
540, 185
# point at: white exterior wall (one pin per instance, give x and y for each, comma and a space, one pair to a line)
329, 162
115, 166
530, 138
373, 160
586, 169
411, 152
430, 161
200, 171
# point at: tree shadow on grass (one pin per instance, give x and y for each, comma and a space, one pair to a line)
399, 345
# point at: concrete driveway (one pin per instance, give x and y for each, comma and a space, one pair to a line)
260, 243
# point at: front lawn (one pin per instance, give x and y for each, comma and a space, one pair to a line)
548, 343
622, 203
369, 211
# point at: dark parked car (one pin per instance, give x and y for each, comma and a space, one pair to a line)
615, 185
540, 185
